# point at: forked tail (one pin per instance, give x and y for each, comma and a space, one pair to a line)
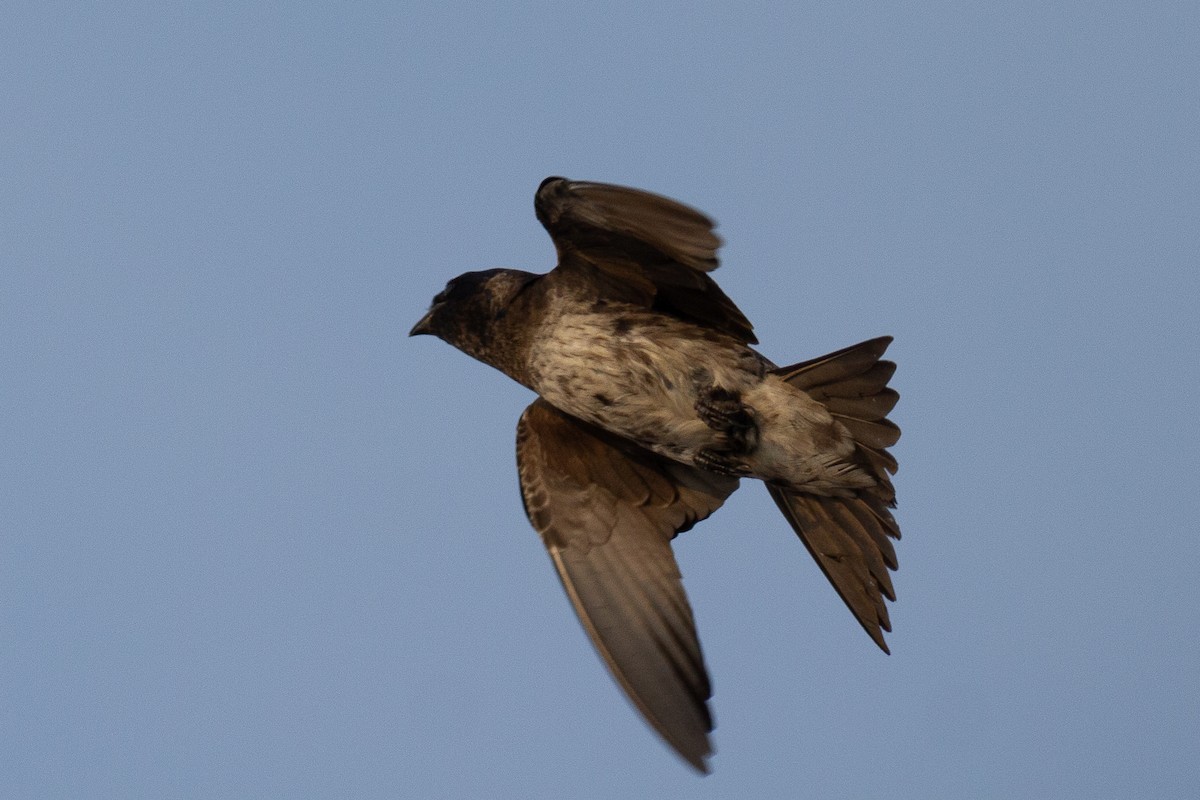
850, 537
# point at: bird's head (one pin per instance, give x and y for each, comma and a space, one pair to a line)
469, 311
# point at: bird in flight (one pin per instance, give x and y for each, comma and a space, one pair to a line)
652, 406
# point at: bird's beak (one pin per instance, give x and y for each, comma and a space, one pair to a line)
424, 325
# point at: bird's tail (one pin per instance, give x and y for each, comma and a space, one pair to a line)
850, 537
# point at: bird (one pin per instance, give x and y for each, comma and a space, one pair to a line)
652, 406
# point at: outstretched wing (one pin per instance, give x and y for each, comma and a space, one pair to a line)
607, 512
642, 248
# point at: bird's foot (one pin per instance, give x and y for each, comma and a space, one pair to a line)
723, 411
723, 463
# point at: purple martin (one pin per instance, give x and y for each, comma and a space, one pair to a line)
652, 405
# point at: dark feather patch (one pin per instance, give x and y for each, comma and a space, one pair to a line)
641, 247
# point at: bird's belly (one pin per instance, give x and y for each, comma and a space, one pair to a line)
640, 382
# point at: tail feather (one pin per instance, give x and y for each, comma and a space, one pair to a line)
881, 433
852, 384
851, 537
873, 379
873, 407
841, 550
881, 462
881, 536
839, 365
882, 509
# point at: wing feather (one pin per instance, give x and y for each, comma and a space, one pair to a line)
607, 512
640, 248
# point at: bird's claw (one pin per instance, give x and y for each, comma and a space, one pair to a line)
723, 411
723, 463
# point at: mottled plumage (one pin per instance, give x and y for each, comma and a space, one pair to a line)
652, 405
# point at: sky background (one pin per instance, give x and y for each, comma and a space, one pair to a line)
255, 542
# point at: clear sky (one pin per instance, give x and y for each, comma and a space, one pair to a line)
255, 542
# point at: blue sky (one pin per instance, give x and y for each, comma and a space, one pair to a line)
257, 543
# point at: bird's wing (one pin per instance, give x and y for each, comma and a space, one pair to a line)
643, 248
607, 512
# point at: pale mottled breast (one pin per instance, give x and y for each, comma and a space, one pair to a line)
638, 374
